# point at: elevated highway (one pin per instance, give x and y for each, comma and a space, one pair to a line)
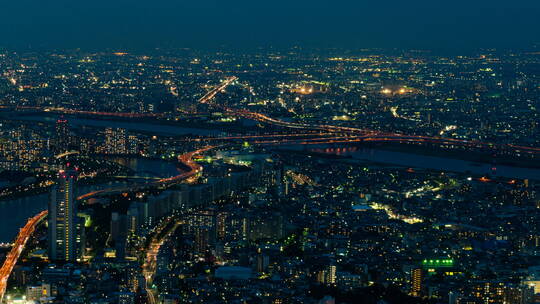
18, 247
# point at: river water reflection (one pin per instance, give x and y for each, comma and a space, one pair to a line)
432, 162
14, 213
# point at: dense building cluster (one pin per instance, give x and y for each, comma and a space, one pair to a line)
288, 176
489, 95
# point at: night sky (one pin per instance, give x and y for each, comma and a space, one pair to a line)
436, 24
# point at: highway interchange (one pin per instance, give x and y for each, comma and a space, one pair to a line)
311, 135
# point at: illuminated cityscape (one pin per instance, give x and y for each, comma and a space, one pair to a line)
318, 165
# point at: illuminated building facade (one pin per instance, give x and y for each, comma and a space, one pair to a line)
62, 135
501, 292
327, 276
416, 282
116, 141
63, 224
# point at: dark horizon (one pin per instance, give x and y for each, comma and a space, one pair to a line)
246, 25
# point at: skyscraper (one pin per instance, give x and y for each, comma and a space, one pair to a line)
327, 275
416, 282
116, 141
63, 224
62, 135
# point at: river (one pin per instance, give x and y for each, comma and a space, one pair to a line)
447, 164
14, 213
132, 126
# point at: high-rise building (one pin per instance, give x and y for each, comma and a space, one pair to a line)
501, 292
35, 293
132, 145
416, 282
62, 135
202, 236
453, 297
263, 261
327, 276
119, 233
63, 224
126, 297
116, 141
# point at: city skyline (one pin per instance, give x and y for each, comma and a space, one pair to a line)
270, 152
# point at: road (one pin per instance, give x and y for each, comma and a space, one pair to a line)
17, 249
28, 229
350, 135
149, 266
356, 137
185, 159
371, 135
212, 93
376, 135
80, 112
399, 139
26, 232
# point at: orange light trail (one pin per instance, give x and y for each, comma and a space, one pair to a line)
17, 249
